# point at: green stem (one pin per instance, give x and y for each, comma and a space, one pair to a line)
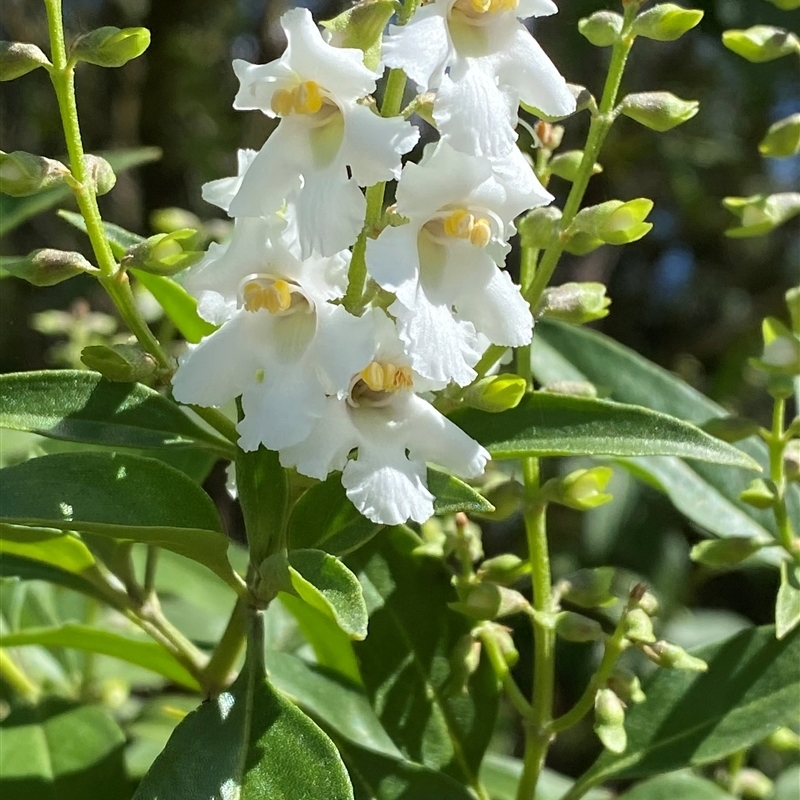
221, 424
357, 276
12, 675
151, 564
114, 280
503, 672
776, 442
218, 672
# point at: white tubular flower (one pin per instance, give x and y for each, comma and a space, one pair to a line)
281, 344
481, 61
443, 265
323, 131
394, 431
220, 193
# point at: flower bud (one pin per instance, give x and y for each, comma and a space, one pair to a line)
761, 43
781, 353
581, 244
782, 139
571, 388
463, 663
670, 656
791, 461
602, 29
626, 685
639, 597
784, 740
539, 227
169, 220
758, 494
725, 552
761, 213
496, 393
47, 267
574, 627
609, 721
501, 635
20, 58
487, 601
666, 22
23, 174
731, 429
549, 136
589, 588
793, 304
110, 46
574, 302
659, 111
751, 784
583, 97
639, 627
125, 363
565, 165
786, 5
505, 569
583, 489
163, 254
100, 173
362, 27
615, 222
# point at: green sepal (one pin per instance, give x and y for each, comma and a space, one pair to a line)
110, 46
666, 22
23, 174
566, 165
761, 43
761, 213
126, 363
47, 267
20, 58
782, 139
659, 111
602, 29
362, 27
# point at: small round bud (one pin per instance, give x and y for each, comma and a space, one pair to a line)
602, 29
786, 5
539, 227
574, 627
640, 597
791, 461
614, 222
488, 601
784, 740
583, 489
23, 174
725, 552
496, 393
589, 588
100, 173
609, 721
666, 22
782, 139
639, 627
758, 494
659, 111
761, 43
463, 663
110, 46
626, 685
670, 656
169, 220
566, 165
548, 134
781, 354
752, 784
20, 58
125, 363
577, 303
47, 267
164, 253
504, 570
761, 213
501, 635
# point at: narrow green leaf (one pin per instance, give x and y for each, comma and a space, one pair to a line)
683, 785
405, 660
787, 606
119, 239
452, 495
691, 719
62, 750
95, 640
16, 210
80, 406
46, 546
257, 745
548, 424
31, 569
326, 584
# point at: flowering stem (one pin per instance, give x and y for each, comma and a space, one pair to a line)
113, 280
501, 669
217, 674
776, 442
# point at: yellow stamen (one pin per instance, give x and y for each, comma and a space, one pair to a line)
498, 6
386, 377
459, 223
481, 6
307, 98
481, 233
282, 102
275, 297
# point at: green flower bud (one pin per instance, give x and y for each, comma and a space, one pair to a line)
549, 136
273, 577
434, 539
362, 27
487, 601
609, 721
506, 497
110, 46
786, 5
574, 302
602, 29
163, 254
583, 489
571, 388
463, 663
758, 494
670, 656
589, 588
125, 363
496, 393
793, 304
47, 267
646, 601
791, 461
581, 244
504, 570
169, 220
100, 173
565, 165
659, 111
731, 429
784, 740
626, 685
781, 353
725, 552
761, 43
539, 227
639, 627
782, 139
752, 784
23, 174
20, 58
615, 222
574, 627
503, 638
666, 22
761, 213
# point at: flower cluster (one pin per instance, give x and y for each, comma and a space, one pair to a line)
327, 389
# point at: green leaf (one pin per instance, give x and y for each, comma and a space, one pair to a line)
95, 640
548, 424
706, 493
45, 546
405, 660
80, 406
120, 239
452, 495
683, 785
61, 750
16, 210
787, 606
30, 569
123, 497
691, 719
255, 744
322, 581
362, 26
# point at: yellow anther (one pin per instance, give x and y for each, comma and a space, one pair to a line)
282, 102
459, 223
402, 378
275, 297
481, 233
386, 377
498, 6
307, 98
481, 6
373, 376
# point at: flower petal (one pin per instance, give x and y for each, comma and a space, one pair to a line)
257, 84
220, 192
392, 258
535, 8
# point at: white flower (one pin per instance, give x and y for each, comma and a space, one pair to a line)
394, 431
221, 192
323, 132
443, 265
482, 61
281, 345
